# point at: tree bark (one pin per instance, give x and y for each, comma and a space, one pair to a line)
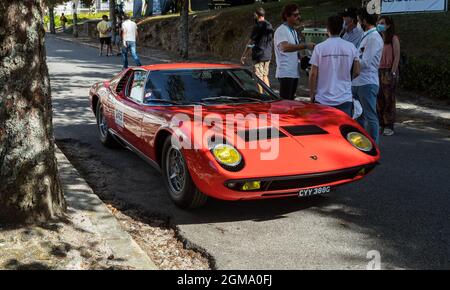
184, 47
75, 20
30, 190
51, 15
112, 18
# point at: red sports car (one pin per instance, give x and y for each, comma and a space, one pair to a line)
217, 130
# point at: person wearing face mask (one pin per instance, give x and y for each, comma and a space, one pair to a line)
351, 31
365, 87
261, 46
287, 46
388, 74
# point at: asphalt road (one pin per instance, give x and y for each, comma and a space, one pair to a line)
401, 210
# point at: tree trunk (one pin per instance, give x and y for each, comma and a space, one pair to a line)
30, 190
112, 18
75, 20
51, 14
184, 47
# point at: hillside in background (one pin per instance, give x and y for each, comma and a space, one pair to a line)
224, 32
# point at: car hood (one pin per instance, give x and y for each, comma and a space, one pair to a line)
307, 137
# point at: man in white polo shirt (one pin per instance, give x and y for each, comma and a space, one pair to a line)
365, 86
330, 79
287, 45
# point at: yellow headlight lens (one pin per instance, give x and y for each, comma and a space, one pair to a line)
359, 141
227, 154
251, 185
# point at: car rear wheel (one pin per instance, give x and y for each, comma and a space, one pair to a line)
105, 137
180, 186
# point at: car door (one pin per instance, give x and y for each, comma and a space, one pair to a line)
128, 109
154, 116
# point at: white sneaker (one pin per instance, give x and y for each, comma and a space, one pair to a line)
388, 132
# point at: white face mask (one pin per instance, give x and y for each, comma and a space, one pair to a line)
358, 25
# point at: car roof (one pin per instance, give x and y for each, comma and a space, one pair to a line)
189, 65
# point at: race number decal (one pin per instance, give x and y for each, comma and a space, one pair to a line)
118, 116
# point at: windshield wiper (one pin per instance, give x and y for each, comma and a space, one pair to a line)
220, 98
162, 101
172, 102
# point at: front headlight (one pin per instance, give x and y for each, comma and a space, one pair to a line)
227, 155
359, 141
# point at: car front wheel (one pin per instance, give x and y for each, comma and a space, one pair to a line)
180, 186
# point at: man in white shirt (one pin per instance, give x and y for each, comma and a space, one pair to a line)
365, 86
287, 45
330, 79
129, 36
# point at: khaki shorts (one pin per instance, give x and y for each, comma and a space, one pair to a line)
262, 69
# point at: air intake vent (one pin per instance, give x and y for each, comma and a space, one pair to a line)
260, 134
304, 130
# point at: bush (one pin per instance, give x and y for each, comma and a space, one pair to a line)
427, 75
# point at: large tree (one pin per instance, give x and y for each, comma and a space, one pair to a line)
30, 190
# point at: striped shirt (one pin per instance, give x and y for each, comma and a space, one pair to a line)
354, 36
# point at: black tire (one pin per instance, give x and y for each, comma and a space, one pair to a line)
185, 194
105, 137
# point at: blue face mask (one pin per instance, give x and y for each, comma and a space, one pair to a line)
381, 27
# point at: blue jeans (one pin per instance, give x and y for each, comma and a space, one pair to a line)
367, 96
346, 107
131, 45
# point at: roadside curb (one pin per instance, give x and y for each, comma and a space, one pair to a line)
79, 195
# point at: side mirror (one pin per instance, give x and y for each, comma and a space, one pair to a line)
147, 97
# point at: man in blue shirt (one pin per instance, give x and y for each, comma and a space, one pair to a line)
351, 31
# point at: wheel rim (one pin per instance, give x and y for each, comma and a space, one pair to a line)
175, 170
102, 125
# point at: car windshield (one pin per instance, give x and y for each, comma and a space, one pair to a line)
206, 86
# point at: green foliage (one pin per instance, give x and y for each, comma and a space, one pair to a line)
421, 74
53, 3
87, 3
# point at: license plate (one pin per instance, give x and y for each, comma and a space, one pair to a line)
314, 191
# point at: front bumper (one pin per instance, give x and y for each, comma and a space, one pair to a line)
280, 186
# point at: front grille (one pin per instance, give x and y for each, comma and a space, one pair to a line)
312, 180
305, 180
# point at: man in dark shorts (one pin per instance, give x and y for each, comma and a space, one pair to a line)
261, 45
105, 32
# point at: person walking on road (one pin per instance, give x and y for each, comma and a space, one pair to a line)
63, 21
105, 33
287, 46
365, 87
261, 46
129, 37
333, 63
388, 74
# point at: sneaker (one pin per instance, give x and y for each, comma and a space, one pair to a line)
388, 132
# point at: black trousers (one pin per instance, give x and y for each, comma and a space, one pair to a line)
288, 87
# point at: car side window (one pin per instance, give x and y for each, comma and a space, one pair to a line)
137, 86
122, 83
